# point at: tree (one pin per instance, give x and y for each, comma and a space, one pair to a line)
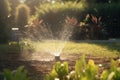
22, 16
4, 12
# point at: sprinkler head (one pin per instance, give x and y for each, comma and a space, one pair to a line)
57, 58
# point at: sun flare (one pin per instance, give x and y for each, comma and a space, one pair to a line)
22, 1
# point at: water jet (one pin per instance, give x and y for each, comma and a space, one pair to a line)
44, 39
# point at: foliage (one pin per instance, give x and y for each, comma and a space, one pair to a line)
38, 30
113, 73
91, 70
80, 67
85, 71
13, 5
55, 14
60, 70
22, 16
34, 3
4, 8
109, 14
92, 28
18, 74
4, 12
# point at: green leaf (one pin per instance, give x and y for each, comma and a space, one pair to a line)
104, 75
91, 70
8, 74
52, 75
80, 67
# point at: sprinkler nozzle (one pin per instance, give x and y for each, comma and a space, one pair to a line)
57, 58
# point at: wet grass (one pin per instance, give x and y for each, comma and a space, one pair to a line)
105, 49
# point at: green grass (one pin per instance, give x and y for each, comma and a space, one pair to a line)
96, 49
104, 49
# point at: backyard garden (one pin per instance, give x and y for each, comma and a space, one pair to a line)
59, 40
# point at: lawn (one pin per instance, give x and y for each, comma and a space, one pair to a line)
104, 49
107, 49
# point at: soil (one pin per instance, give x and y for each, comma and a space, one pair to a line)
39, 64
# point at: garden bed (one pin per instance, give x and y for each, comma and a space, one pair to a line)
39, 67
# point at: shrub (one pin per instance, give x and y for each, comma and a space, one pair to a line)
92, 28
110, 16
55, 14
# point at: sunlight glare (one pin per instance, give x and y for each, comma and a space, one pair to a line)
52, 1
57, 54
22, 1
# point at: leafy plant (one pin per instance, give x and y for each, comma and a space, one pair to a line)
93, 28
59, 71
84, 71
91, 70
113, 73
80, 67
18, 74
